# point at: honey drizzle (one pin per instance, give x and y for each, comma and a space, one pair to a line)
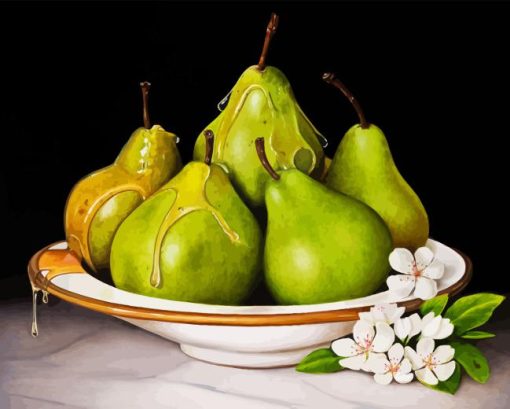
184, 204
35, 329
83, 238
284, 160
55, 263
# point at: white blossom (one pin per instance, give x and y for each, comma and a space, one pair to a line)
408, 327
431, 366
395, 367
436, 327
368, 344
387, 313
418, 273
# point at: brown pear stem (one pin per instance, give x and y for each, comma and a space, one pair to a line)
145, 95
261, 152
331, 79
209, 146
270, 30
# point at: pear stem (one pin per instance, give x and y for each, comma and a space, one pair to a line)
261, 152
145, 95
331, 79
270, 30
209, 145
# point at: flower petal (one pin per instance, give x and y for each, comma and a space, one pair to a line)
405, 366
445, 330
403, 377
432, 327
413, 358
396, 314
416, 324
401, 285
443, 354
402, 328
443, 372
427, 319
383, 379
378, 365
363, 332
423, 257
354, 362
373, 360
367, 317
435, 270
384, 337
424, 347
345, 347
425, 375
396, 353
425, 288
401, 260
378, 313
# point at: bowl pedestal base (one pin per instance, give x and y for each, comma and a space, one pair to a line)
276, 359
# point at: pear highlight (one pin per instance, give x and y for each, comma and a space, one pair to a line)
363, 168
305, 262
99, 202
194, 240
262, 103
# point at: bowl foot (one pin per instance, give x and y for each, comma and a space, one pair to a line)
276, 359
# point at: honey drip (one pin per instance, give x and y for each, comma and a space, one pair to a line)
54, 263
35, 330
192, 200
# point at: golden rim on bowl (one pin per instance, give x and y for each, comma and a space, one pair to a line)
63, 261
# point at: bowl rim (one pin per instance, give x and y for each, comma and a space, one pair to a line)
40, 282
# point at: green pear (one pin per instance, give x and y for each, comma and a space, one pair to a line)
321, 246
262, 103
99, 202
193, 240
363, 168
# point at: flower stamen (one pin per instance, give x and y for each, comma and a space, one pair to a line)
415, 271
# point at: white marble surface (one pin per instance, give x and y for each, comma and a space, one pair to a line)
83, 359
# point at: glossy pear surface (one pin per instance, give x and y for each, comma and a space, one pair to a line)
321, 246
363, 168
262, 104
194, 240
99, 202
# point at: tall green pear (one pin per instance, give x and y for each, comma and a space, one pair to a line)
321, 246
99, 202
363, 168
193, 240
262, 103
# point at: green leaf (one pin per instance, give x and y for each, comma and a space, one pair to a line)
472, 311
435, 305
450, 385
472, 360
477, 335
320, 361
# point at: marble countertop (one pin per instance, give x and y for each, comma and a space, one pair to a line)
84, 359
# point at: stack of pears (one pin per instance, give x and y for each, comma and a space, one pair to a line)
191, 234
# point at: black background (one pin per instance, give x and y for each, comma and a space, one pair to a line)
433, 76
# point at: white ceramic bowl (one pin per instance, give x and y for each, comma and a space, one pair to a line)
245, 336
